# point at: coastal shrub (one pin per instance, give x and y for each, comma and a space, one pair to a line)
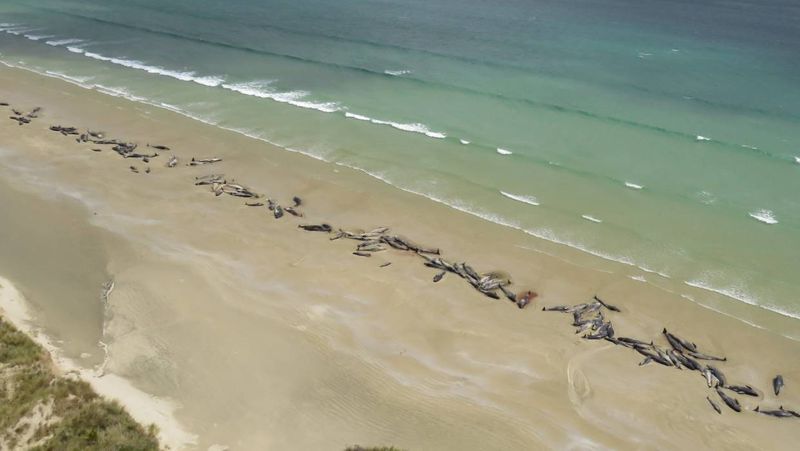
75, 418
99, 425
16, 348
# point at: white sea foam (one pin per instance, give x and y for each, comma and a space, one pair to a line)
463, 141
34, 37
263, 89
18, 31
749, 323
59, 42
437, 135
695, 301
76, 80
397, 73
73, 78
764, 215
653, 271
134, 64
748, 146
120, 92
210, 80
530, 200
731, 292
357, 117
702, 138
740, 294
591, 218
415, 127
797, 160
633, 185
549, 235
638, 278
502, 151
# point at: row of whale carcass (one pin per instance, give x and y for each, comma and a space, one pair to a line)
587, 317
127, 149
219, 184
21, 117
369, 242
378, 239
680, 353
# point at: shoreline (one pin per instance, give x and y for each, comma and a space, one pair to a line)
344, 202
715, 297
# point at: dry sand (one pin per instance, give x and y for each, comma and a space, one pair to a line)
263, 336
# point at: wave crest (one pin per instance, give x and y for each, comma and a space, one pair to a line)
406, 127
739, 294
206, 80
530, 200
397, 73
764, 215
263, 90
59, 42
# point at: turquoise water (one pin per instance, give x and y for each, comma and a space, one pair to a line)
661, 134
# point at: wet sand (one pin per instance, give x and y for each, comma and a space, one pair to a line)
268, 337
62, 258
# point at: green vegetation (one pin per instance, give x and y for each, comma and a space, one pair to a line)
40, 410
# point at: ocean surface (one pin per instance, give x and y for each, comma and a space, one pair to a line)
663, 135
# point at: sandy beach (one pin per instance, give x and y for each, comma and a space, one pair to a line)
258, 335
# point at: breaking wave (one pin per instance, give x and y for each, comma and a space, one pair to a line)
413, 127
208, 80
79, 80
397, 73
262, 89
60, 42
741, 295
34, 37
764, 215
530, 200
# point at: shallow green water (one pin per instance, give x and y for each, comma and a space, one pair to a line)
664, 135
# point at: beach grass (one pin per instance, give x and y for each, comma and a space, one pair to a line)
45, 411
